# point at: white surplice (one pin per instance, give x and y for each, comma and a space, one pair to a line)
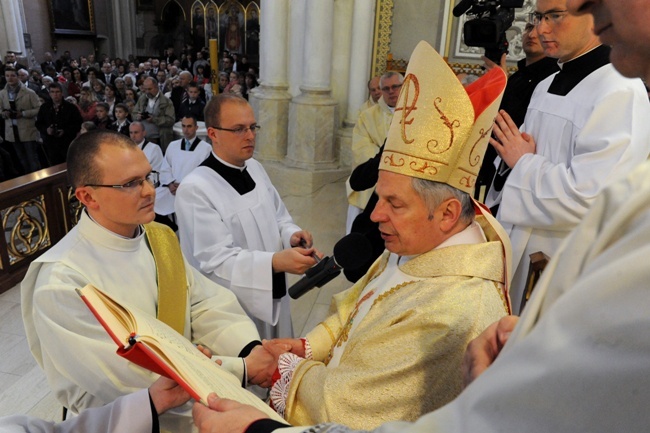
231, 239
593, 135
130, 413
177, 164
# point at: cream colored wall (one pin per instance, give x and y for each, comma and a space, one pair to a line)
413, 21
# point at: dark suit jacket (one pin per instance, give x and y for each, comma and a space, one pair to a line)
177, 98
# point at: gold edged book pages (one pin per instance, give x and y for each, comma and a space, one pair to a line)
151, 344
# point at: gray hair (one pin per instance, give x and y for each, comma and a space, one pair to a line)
388, 75
434, 193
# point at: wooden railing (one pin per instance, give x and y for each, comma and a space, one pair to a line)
36, 211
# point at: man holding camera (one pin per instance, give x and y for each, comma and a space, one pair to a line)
19, 106
58, 121
156, 112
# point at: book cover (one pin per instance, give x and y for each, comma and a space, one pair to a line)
151, 344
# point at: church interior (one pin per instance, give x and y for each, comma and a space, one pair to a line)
315, 59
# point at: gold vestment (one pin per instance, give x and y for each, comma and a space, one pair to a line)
404, 358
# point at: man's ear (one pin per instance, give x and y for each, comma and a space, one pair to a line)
86, 196
212, 133
451, 210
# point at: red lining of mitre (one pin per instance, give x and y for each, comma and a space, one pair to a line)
486, 89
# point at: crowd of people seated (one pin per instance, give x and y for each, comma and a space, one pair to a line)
89, 82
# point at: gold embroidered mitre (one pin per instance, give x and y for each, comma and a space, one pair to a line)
440, 129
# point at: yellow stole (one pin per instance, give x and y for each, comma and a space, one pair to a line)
170, 273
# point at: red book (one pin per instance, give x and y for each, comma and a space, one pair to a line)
152, 344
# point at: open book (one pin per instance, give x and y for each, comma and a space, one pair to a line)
150, 343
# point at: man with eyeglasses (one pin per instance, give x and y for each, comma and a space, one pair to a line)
115, 248
233, 225
585, 126
368, 135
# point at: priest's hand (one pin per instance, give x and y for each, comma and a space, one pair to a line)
511, 144
167, 394
301, 238
484, 349
294, 260
295, 344
261, 364
224, 416
173, 187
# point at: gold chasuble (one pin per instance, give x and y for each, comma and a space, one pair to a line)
403, 358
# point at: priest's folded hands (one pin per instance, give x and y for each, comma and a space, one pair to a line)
511, 144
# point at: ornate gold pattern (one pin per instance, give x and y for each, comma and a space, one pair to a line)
345, 330
26, 226
448, 124
407, 107
477, 158
389, 160
432, 169
444, 136
383, 24
344, 333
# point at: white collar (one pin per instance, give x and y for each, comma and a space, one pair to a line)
229, 164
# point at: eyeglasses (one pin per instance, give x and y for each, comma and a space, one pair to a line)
241, 130
152, 178
550, 17
389, 88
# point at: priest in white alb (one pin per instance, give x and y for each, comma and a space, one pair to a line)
233, 225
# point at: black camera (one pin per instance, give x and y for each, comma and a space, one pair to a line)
488, 27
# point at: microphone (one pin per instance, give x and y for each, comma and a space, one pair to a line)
350, 252
462, 7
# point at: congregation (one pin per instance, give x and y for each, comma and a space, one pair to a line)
106, 93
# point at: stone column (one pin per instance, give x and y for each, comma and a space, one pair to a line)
11, 33
363, 19
271, 101
312, 114
124, 27
360, 58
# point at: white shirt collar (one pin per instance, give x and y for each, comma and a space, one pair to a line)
229, 164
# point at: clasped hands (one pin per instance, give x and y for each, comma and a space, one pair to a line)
262, 362
510, 143
227, 416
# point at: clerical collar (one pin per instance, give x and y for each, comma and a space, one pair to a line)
470, 235
237, 177
575, 70
138, 231
227, 164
